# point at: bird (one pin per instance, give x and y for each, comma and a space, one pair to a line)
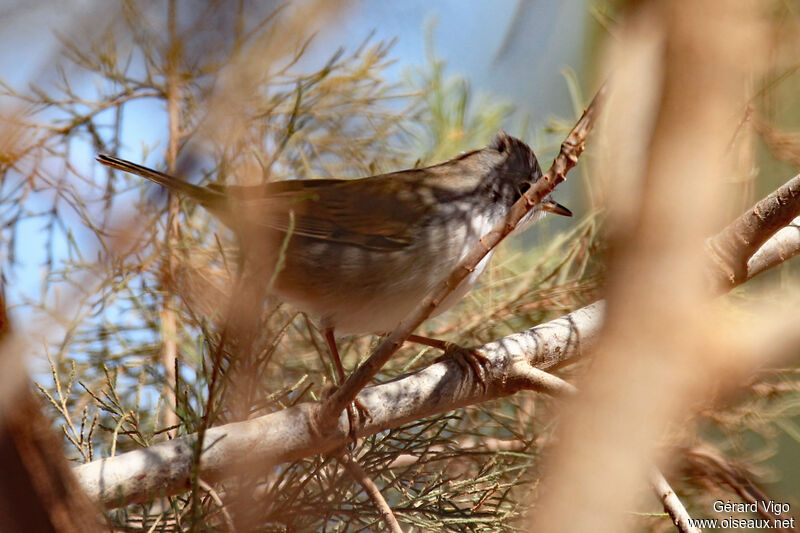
360, 254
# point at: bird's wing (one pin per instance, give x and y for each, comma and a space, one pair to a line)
370, 212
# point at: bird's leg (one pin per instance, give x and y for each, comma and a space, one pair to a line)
337, 361
356, 408
465, 357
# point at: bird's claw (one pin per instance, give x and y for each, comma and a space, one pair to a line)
468, 358
357, 413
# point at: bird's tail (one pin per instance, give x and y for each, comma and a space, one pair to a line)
201, 194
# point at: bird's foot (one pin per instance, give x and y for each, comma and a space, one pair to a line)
357, 413
468, 358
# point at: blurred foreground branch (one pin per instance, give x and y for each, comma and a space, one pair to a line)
666, 347
38, 492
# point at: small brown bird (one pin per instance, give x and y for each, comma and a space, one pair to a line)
360, 254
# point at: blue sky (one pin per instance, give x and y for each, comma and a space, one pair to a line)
514, 49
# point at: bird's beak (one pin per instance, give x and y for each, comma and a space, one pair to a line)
554, 207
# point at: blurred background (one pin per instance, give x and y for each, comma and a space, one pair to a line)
118, 303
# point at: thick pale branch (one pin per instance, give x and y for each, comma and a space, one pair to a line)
166, 468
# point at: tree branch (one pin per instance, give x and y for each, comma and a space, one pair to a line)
166, 467
731, 248
673, 506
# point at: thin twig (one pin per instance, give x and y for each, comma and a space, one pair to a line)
372, 490
672, 504
222, 509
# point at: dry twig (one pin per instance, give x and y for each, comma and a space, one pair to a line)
372, 490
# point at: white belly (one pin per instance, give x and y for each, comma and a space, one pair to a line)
381, 314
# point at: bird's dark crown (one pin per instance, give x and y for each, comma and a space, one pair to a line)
518, 167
